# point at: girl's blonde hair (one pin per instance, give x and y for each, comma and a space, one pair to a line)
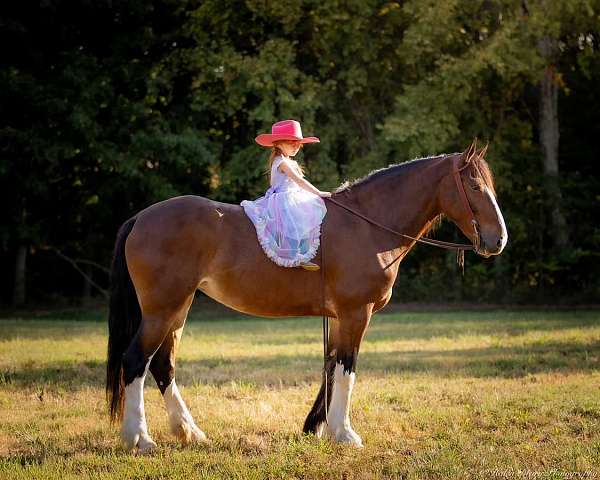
275, 152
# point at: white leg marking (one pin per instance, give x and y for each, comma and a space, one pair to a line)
338, 428
500, 219
320, 430
180, 419
134, 431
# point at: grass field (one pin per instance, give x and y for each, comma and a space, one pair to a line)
496, 394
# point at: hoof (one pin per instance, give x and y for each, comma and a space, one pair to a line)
189, 433
141, 440
146, 446
347, 436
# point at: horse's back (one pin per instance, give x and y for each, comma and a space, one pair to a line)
188, 213
186, 204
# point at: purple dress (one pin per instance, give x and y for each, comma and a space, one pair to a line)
287, 219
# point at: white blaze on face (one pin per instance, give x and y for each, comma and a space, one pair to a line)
504, 233
180, 419
135, 430
338, 427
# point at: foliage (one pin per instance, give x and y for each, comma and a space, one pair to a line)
111, 106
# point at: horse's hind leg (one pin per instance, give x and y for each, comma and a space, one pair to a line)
163, 369
152, 332
136, 360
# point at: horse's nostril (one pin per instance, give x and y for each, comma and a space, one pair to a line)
499, 244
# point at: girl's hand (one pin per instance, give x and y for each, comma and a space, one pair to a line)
291, 172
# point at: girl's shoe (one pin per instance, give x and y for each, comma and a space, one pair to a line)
310, 266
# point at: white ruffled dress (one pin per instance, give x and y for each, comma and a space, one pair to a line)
287, 219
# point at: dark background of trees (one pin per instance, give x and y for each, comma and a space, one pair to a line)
109, 106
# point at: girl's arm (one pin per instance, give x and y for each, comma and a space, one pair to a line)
291, 172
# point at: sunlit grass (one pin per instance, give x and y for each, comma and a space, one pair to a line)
438, 395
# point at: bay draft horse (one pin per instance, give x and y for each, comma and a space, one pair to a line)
172, 248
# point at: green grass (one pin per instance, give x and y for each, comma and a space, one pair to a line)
496, 394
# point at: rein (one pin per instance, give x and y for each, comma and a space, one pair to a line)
428, 241
325, 332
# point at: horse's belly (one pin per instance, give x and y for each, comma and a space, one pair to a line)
259, 299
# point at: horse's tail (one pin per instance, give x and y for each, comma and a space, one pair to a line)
123, 321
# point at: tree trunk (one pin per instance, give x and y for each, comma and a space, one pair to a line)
549, 140
20, 275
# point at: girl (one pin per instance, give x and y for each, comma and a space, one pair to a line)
288, 217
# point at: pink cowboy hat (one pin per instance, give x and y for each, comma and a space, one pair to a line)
284, 130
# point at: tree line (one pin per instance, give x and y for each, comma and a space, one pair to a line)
110, 106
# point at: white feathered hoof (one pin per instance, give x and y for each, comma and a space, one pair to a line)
146, 446
188, 433
347, 436
132, 438
338, 427
181, 421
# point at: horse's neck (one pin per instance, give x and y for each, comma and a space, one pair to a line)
405, 199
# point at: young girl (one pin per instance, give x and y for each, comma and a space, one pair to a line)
288, 217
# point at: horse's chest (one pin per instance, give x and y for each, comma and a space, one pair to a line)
366, 281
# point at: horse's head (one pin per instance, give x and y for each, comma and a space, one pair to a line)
469, 200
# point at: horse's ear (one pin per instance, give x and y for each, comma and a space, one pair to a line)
483, 151
469, 152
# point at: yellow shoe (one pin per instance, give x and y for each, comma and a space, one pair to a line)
310, 266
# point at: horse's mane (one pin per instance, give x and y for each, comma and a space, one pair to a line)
474, 158
471, 156
383, 172
393, 169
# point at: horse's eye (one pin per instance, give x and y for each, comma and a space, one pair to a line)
476, 187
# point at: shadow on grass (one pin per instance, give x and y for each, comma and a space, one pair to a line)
306, 330
504, 362
404, 326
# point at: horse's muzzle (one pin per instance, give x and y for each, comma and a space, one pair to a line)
489, 248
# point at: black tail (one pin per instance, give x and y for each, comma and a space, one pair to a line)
123, 321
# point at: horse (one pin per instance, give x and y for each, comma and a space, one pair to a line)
171, 249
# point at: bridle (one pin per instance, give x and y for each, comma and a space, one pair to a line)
465, 201
460, 248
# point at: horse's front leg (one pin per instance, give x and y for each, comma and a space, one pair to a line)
344, 342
